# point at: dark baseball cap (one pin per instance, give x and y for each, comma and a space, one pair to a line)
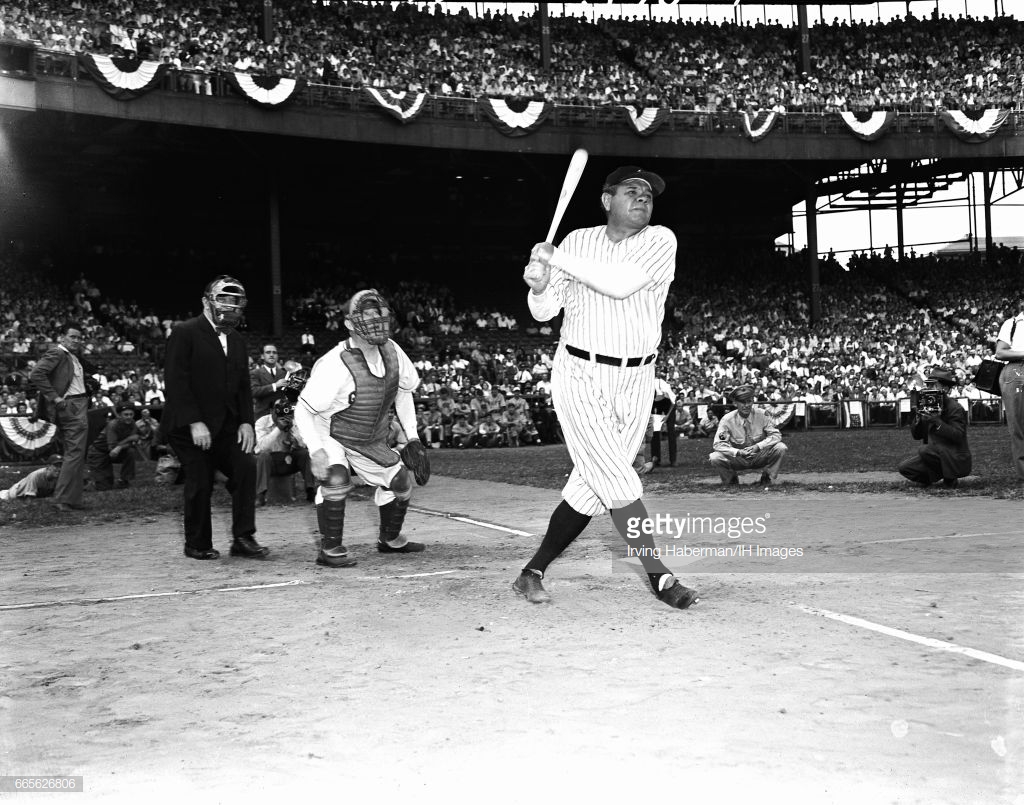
632, 172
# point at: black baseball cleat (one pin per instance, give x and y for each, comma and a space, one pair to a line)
327, 560
409, 547
528, 585
248, 548
677, 596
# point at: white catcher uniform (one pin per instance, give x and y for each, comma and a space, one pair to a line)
604, 408
328, 390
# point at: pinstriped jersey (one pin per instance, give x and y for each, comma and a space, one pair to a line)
629, 327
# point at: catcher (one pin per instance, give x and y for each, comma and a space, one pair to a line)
342, 415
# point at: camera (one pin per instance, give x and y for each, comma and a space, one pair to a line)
928, 400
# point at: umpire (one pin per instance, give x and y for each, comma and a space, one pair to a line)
208, 418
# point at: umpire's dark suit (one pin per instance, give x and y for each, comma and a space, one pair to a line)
202, 384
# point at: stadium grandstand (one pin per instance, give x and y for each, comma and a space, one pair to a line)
316, 148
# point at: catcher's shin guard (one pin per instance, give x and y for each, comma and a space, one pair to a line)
392, 516
330, 516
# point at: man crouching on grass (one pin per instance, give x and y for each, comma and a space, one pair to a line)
747, 440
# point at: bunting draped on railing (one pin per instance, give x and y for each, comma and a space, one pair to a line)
644, 121
126, 79
405, 106
515, 118
869, 127
971, 130
26, 438
268, 91
123, 79
757, 128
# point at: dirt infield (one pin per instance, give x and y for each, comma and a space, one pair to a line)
885, 665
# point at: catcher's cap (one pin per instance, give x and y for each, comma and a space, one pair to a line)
942, 376
633, 173
365, 299
742, 394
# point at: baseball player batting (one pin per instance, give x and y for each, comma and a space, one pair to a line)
612, 282
342, 415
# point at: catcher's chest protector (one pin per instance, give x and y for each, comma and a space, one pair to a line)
363, 426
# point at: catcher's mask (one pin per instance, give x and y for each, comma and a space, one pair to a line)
294, 384
370, 317
225, 298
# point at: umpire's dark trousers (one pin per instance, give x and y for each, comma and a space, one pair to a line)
199, 466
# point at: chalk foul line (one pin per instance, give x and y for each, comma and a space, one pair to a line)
137, 596
931, 642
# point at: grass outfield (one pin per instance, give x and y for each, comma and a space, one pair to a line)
810, 454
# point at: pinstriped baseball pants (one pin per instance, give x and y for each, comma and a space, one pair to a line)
603, 411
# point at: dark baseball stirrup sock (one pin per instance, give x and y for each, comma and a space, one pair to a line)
565, 525
643, 544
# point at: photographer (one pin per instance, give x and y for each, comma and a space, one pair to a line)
280, 450
941, 423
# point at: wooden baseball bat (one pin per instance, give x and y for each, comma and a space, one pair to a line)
572, 178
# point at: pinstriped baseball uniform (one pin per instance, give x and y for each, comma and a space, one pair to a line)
604, 409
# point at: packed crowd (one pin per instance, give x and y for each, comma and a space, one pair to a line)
883, 327
905, 64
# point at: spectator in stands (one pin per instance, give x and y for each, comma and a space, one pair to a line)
462, 432
708, 425
39, 483
115, 445
942, 427
684, 418
488, 432
747, 440
513, 423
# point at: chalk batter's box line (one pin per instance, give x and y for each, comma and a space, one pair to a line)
471, 521
943, 536
930, 642
138, 596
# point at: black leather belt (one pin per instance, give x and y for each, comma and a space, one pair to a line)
608, 359
75, 396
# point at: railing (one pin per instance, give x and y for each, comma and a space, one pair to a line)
353, 99
863, 413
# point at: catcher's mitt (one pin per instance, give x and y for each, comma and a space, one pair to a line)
414, 456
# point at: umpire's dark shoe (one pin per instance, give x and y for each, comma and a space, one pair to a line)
249, 548
409, 547
528, 585
200, 553
677, 596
